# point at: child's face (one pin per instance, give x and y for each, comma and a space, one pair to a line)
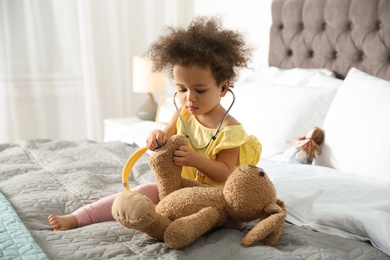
197, 89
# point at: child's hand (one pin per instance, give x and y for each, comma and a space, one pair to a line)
156, 139
184, 156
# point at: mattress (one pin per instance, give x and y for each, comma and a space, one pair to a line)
41, 177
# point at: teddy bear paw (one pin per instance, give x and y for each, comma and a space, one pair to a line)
133, 210
178, 236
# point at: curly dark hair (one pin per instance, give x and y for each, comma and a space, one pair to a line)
204, 43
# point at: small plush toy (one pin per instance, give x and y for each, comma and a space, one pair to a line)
187, 209
304, 149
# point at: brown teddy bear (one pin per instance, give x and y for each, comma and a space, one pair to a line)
188, 209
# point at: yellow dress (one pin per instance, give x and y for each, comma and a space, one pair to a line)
228, 137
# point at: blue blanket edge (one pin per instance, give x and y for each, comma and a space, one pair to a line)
16, 241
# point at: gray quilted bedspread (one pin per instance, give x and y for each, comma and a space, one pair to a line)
40, 177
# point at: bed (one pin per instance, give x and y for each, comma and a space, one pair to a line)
329, 67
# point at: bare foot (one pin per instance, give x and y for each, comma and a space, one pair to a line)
64, 222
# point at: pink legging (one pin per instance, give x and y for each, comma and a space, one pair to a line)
100, 210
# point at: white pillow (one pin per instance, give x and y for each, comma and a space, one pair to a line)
357, 127
276, 113
287, 77
321, 80
334, 202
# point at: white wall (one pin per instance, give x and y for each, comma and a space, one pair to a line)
68, 35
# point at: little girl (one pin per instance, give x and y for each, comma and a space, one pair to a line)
305, 148
203, 61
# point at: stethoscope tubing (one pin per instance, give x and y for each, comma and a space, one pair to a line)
219, 126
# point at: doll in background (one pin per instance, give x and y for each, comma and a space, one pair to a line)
305, 148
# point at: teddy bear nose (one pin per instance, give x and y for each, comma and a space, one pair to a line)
261, 173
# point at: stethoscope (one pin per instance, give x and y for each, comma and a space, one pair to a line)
137, 154
219, 126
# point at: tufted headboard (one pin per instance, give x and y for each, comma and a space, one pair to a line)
333, 34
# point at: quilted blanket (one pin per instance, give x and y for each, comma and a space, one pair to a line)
15, 240
40, 177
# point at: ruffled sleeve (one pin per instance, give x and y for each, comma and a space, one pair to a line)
235, 136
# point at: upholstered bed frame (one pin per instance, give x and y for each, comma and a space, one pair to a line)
333, 34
